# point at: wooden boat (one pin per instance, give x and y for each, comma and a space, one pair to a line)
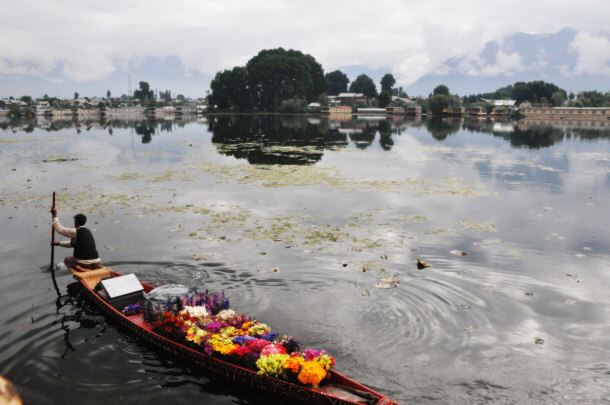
338, 390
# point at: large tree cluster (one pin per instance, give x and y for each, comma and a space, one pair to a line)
268, 79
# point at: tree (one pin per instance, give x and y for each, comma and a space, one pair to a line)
26, 99
488, 107
108, 94
441, 89
535, 91
593, 99
75, 95
275, 75
294, 105
144, 93
522, 92
181, 97
439, 102
364, 84
559, 98
384, 98
323, 100
399, 92
387, 82
229, 89
165, 95
336, 82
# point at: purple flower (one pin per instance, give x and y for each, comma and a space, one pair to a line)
270, 337
213, 327
240, 340
291, 345
311, 354
132, 310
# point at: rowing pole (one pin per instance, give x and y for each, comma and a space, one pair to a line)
52, 266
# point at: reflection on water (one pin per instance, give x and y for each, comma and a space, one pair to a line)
279, 139
314, 225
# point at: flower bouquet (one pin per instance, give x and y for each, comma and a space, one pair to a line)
205, 323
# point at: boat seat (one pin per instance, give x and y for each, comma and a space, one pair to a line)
91, 277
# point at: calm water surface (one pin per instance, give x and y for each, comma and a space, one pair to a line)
314, 226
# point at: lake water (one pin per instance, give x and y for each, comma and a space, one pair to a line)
315, 226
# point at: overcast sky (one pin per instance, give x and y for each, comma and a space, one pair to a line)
67, 44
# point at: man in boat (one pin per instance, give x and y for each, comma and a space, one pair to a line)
81, 239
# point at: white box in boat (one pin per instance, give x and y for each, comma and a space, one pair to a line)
122, 291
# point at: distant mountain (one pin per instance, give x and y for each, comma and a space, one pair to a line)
573, 61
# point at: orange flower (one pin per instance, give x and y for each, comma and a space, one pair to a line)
312, 373
294, 364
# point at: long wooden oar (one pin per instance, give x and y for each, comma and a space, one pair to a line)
52, 266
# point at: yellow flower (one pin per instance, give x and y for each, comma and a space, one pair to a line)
221, 344
228, 332
272, 365
195, 334
258, 329
325, 361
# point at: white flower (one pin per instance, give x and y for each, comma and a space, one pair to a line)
226, 314
195, 311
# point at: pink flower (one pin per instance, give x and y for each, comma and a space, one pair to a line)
311, 354
273, 349
241, 351
257, 345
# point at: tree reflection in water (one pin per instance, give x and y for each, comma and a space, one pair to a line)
300, 139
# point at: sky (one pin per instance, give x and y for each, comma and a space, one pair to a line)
60, 47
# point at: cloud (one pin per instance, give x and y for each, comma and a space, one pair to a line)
91, 40
506, 64
593, 54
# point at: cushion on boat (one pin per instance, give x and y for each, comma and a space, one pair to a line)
91, 277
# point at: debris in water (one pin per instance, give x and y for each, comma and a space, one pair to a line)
366, 293
421, 264
529, 293
59, 160
573, 277
568, 301
387, 282
458, 253
465, 306
539, 341
276, 269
